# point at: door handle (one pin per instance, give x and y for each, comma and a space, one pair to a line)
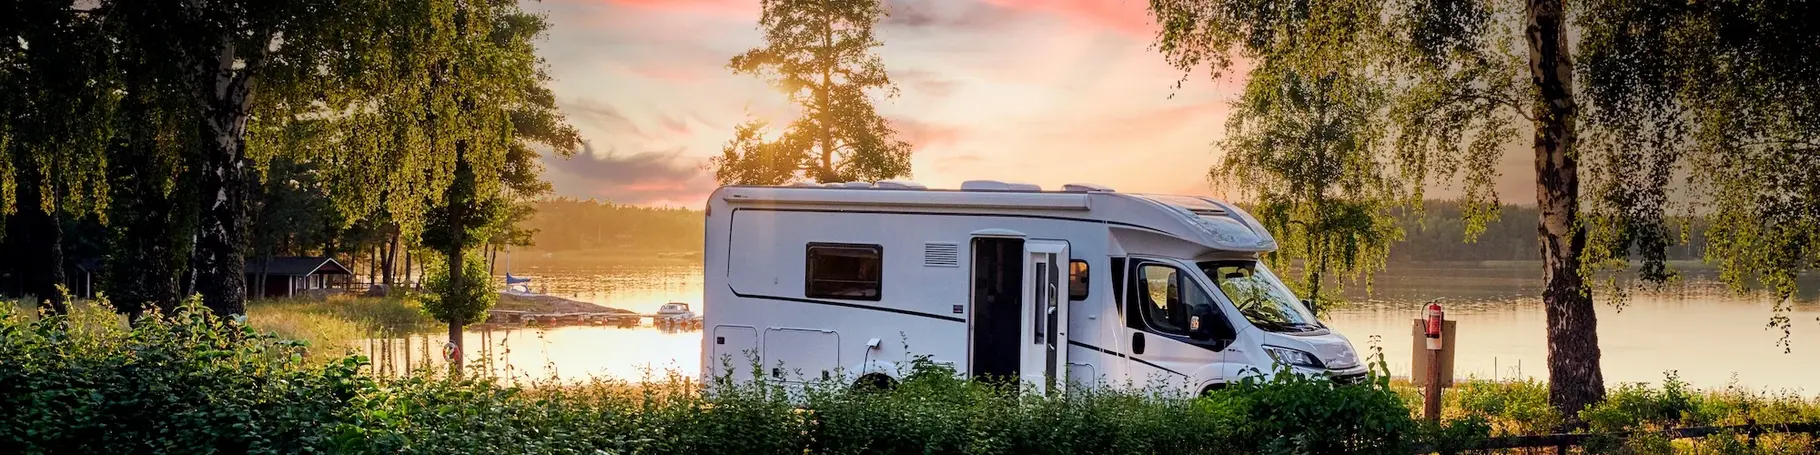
1137, 343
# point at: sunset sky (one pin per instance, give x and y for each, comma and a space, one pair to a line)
1039, 91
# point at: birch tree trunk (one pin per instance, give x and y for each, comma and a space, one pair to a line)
1574, 376
226, 101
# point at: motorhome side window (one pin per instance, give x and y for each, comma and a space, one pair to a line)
1077, 280
1167, 296
843, 271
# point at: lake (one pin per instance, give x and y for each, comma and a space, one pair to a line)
1711, 337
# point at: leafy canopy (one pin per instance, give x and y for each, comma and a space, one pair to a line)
57, 96
1306, 141
1705, 111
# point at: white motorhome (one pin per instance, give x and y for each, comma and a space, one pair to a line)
1002, 280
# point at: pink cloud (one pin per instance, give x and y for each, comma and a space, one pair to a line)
679, 72
736, 8
1127, 17
922, 135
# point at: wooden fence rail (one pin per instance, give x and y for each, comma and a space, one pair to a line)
1561, 442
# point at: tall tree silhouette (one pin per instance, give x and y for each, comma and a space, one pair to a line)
820, 54
56, 96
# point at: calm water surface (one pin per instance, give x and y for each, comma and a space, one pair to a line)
1711, 338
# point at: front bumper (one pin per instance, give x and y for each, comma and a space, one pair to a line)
1348, 376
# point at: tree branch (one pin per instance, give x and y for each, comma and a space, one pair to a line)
1487, 97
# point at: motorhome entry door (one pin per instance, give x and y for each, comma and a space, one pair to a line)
1044, 359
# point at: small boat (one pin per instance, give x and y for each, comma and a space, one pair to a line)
675, 310
520, 286
676, 315
517, 285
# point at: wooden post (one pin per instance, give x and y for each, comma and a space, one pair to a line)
1751, 433
1432, 365
1431, 400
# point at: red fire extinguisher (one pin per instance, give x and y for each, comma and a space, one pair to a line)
1434, 320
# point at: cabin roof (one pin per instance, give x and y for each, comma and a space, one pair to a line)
298, 266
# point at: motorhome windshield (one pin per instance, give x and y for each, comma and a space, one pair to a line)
1261, 297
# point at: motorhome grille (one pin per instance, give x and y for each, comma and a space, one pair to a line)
936, 254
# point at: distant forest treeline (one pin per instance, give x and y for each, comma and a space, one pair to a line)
569, 224
1437, 234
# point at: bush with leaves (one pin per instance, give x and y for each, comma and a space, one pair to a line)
184, 382
465, 304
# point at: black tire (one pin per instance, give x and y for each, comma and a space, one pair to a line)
1205, 391
874, 382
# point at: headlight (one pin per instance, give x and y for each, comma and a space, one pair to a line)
1294, 357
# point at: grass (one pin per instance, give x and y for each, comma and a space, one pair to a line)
332, 326
339, 322
1514, 408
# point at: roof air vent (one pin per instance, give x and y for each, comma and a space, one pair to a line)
995, 185
984, 185
1086, 188
900, 185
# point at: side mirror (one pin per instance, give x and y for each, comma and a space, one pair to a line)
1201, 323
1312, 306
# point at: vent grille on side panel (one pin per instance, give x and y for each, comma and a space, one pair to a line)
941, 254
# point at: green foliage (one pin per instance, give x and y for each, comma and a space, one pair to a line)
56, 102
1687, 105
1306, 142
1511, 408
183, 382
187, 382
196, 125
1520, 408
1706, 109
1320, 417
464, 302
339, 324
1644, 410
819, 54
460, 220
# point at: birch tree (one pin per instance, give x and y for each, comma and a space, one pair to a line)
240, 65
1702, 108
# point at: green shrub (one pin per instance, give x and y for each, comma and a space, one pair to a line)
179, 383
1645, 411
1511, 408
189, 383
464, 304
